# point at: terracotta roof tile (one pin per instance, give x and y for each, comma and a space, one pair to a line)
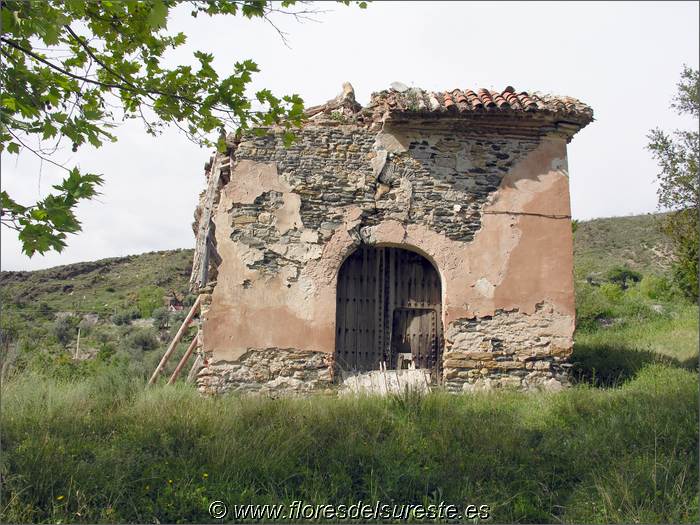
469, 101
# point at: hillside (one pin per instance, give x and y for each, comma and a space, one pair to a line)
635, 241
97, 286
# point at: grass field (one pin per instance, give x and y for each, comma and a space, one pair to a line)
104, 449
86, 442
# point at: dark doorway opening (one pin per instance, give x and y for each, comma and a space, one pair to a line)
388, 310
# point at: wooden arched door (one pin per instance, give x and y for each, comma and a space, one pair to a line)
388, 309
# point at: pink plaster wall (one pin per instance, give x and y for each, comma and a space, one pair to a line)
521, 256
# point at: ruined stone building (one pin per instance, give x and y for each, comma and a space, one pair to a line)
426, 230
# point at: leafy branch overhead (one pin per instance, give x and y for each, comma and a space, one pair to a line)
72, 69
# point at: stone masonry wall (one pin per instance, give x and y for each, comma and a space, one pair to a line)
508, 349
441, 182
269, 371
340, 181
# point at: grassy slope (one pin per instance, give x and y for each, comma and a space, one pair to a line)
642, 329
106, 450
96, 286
635, 241
103, 449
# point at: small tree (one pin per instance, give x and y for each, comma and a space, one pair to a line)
679, 190
622, 276
142, 339
64, 328
161, 318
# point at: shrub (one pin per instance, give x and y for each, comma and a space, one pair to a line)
685, 276
612, 292
121, 318
189, 299
655, 287
65, 329
143, 339
623, 276
46, 311
161, 318
148, 299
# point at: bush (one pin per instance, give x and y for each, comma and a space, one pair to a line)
124, 317
609, 301
65, 328
143, 339
623, 276
121, 318
656, 288
46, 311
148, 299
685, 276
161, 318
612, 291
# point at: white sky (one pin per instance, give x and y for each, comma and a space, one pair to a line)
623, 59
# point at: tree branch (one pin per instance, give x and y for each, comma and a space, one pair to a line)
36, 152
136, 90
100, 62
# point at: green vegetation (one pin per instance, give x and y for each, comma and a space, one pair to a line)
679, 186
42, 311
84, 441
104, 450
148, 299
636, 242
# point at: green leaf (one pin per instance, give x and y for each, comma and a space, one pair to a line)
49, 131
9, 103
158, 16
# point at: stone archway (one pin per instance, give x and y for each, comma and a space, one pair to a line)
388, 310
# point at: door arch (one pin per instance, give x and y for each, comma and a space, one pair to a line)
388, 310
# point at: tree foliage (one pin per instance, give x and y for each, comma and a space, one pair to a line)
679, 190
622, 276
72, 69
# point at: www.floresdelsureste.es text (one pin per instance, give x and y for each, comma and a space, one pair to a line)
298, 510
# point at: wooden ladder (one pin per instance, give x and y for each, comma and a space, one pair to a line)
173, 344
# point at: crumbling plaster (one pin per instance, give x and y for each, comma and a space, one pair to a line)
520, 256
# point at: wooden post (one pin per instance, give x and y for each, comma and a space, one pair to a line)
175, 341
184, 359
195, 368
77, 346
204, 273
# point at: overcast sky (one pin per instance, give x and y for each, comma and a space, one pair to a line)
623, 59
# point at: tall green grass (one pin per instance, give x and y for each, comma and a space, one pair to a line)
104, 449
